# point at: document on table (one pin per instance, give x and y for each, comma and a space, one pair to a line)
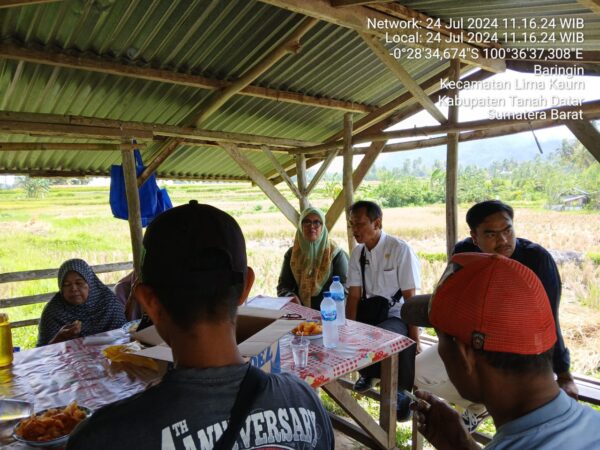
261, 301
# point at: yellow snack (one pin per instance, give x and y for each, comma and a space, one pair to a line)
308, 329
124, 354
51, 424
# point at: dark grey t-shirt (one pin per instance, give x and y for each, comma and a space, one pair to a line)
190, 409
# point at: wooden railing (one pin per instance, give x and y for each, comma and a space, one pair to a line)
44, 274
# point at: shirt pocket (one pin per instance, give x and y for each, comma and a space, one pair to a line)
390, 278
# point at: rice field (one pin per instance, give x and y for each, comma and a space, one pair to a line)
77, 222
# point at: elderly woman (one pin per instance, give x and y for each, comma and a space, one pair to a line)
83, 306
309, 266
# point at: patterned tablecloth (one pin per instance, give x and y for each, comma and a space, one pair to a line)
360, 345
57, 374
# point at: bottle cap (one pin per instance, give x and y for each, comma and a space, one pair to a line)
326, 294
336, 278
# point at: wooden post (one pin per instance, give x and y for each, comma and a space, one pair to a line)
262, 182
301, 181
133, 206
347, 177
452, 166
388, 402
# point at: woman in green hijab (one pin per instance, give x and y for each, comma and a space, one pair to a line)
310, 265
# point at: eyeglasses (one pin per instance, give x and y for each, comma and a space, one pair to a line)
314, 223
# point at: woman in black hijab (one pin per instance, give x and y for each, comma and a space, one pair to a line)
83, 306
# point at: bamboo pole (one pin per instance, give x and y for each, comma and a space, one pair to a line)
263, 183
337, 207
42, 146
452, 168
347, 178
301, 179
315, 180
291, 45
279, 168
105, 65
402, 74
133, 206
166, 149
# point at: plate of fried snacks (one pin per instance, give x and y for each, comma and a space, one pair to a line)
50, 427
310, 329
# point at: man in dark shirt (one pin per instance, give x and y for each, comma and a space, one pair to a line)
194, 275
491, 225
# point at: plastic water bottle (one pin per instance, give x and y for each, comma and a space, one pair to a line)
338, 295
328, 319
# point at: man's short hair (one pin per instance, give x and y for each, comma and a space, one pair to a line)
478, 212
514, 363
194, 258
372, 209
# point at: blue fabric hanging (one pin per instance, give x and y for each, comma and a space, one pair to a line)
153, 200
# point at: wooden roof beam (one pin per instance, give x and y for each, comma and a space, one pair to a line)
81, 147
73, 60
594, 5
588, 135
378, 115
356, 18
16, 3
586, 107
342, 3
405, 78
263, 183
90, 127
481, 134
51, 173
282, 173
290, 46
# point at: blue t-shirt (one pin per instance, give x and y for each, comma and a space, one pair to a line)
561, 424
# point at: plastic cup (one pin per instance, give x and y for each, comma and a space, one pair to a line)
300, 352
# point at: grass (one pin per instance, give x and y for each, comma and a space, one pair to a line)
76, 222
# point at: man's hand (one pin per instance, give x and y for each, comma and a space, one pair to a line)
441, 424
67, 332
567, 383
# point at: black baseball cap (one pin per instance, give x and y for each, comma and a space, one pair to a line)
194, 246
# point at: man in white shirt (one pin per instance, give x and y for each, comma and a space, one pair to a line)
390, 266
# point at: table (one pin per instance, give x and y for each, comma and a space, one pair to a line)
360, 345
57, 374
60, 373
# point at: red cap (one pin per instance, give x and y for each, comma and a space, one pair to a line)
493, 303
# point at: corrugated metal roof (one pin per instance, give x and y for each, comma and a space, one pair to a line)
213, 38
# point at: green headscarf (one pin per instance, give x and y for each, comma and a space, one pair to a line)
311, 261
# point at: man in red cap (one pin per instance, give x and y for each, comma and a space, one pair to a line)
496, 337
491, 229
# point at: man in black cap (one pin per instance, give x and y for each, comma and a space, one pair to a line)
194, 276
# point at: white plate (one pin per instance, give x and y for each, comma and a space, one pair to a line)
59, 441
309, 336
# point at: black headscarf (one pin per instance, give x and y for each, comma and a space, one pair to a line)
102, 311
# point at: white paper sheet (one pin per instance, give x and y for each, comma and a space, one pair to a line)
261, 301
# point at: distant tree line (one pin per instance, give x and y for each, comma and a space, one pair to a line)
568, 170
